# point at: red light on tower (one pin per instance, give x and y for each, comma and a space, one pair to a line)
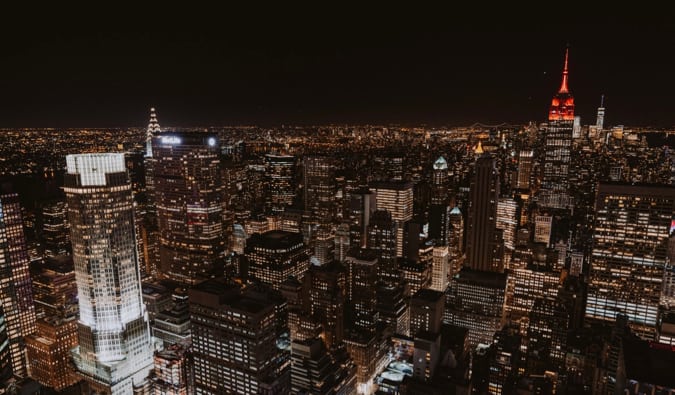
562, 105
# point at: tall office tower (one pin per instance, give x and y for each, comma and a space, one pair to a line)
439, 210
314, 370
5, 358
397, 198
362, 275
324, 245
558, 145
326, 287
152, 131
576, 127
439, 268
135, 164
381, 239
362, 205
484, 247
547, 336
439, 181
320, 187
426, 311
439, 223
54, 288
280, 188
600, 119
55, 232
475, 301
48, 352
525, 163
172, 373
342, 244
16, 293
276, 255
115, 351
234, 342
507, 221
189, 195
455, 241
149, 231
633, 224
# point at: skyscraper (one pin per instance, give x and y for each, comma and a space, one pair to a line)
455, 241
525, 162
362, 205
115, 351
397, 198
600, 119
148, 224
439, 193
189, 195
152, 130
326, 287
439, 268
484, 245
381, 239
55, 232
558, 146
633, 227
280, 189
16, 293
320, 187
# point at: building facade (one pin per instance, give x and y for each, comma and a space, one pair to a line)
114, 355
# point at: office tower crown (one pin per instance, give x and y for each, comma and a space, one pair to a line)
562, 105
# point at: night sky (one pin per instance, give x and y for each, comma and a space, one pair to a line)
295, 65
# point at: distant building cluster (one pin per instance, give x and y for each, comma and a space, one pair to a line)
533, 259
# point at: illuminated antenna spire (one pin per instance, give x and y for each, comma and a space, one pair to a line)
153, 129
563, 85
602, 101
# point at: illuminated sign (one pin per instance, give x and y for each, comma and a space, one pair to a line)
170, 140
212, 141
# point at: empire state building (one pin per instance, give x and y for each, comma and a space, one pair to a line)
558, 146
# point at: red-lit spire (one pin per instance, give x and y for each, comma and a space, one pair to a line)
563, 85
562, 105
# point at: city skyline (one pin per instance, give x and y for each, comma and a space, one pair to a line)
370, 67
391, 251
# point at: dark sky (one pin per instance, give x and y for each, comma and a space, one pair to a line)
106, 66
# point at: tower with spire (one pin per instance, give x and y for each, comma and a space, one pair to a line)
153, 130
562, 105
600, 120
558, 145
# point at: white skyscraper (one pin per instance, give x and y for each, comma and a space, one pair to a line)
115, 349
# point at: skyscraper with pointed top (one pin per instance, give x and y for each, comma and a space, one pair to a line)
153, 130
149, 231
558, 145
